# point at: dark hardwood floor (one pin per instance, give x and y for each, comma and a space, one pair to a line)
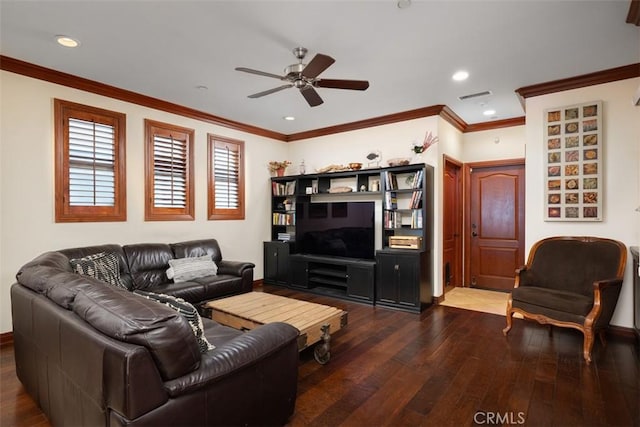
444, 367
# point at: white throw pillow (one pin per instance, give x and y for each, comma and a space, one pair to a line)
185, 269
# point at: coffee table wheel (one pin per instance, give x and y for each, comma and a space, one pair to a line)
321, 352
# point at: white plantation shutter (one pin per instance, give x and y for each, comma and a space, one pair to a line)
91, 164
226, 173
169, 172
226, 178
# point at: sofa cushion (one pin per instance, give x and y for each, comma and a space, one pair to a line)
185, 269
128, 317
102, 266
553, 299
148, 264
187, 310
196, 248
81, 252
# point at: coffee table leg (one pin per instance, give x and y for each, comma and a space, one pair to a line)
321, 351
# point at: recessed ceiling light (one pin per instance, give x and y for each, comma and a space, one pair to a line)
202, 87
489, 112
289, 118
67, 41
403, 4
460, 76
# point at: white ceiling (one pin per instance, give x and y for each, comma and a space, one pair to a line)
166, 49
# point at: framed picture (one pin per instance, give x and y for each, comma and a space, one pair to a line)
573, 163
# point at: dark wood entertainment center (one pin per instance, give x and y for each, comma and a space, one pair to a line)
400, 276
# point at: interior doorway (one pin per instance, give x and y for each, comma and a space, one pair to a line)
494, 223
452, 224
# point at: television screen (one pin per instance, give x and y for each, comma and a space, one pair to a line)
343, 229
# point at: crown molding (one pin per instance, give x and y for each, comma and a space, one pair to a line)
69, 80
599, 77
496, 124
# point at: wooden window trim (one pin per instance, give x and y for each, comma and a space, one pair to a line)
64, 212
151, 212
213, 212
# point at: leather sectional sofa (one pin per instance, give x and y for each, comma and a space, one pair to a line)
90, 353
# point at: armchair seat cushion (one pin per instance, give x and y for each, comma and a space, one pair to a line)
553, 299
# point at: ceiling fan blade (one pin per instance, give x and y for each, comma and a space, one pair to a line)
260, 73
311, 96
267, 92
342, 84
318, 64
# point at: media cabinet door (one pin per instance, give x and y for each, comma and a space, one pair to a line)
360, 281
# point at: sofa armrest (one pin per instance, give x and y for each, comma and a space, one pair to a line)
247, 350
235, 268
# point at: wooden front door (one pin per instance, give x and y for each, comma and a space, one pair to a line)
452, 224
495, 224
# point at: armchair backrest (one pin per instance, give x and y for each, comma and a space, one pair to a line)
574, 263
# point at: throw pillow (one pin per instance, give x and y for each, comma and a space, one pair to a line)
185, 269
102, 266
185, 309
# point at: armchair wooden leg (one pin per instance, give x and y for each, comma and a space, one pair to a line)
506, 330
588, 345
603, 338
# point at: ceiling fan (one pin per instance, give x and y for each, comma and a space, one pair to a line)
305, 78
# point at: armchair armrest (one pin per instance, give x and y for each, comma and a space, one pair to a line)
251, 348
235, 268
520, 272
605, 296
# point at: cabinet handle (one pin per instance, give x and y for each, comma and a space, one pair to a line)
396, 267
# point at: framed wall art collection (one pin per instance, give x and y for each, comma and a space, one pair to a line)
573, 163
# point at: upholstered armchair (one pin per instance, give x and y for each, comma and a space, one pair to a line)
571, 282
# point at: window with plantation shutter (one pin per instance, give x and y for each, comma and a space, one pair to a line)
169, 172
90, 163
226, 178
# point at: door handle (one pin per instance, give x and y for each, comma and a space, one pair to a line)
474, 234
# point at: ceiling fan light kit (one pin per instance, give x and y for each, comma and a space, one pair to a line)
304, 77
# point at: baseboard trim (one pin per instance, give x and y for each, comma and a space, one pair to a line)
437, 300
627, 334
6, 339
258, 283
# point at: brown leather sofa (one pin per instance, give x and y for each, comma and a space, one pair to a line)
93, 354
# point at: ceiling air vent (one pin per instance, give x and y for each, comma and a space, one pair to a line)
474, 95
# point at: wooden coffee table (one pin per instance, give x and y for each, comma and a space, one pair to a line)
316, 322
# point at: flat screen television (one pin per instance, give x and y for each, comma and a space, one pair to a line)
343, 229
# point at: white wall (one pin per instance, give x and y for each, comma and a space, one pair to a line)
27, 226
495, 144
621, 135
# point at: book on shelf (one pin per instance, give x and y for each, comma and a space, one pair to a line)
284, 237
416, 219
283, 219
390, 181
390, 200
418, 176
416, 199
286, 189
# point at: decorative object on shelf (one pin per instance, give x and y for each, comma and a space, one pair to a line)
374, 159
333, 168
355, 166
419, 148
302, 168
398, 161
428, 141
334, 190
573, 188
278, 167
